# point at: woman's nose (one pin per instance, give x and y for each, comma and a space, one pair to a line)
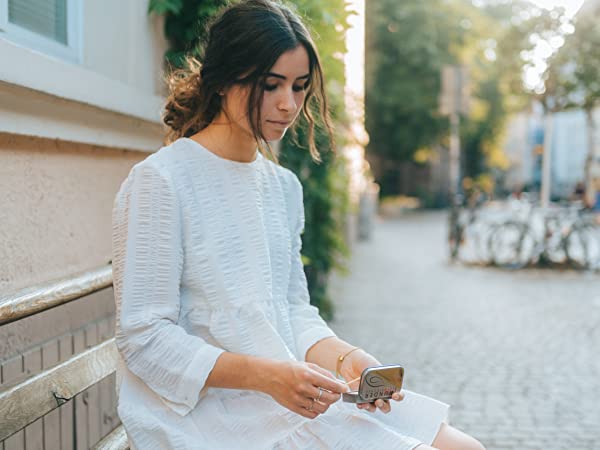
287, 102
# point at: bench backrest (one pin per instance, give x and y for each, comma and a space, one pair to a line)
25, 402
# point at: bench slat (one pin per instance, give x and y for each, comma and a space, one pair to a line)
39, 298
25, 402
116, 440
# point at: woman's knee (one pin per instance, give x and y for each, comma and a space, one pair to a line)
450, 438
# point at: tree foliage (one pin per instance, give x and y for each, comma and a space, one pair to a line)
325, 185
408, 45
413, 40
574, 72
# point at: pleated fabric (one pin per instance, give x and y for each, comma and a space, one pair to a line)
206, 259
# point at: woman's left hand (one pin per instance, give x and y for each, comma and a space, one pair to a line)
353, 367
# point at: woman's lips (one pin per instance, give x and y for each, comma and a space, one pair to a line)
281, 124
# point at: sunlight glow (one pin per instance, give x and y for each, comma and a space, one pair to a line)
532, 76
571, 6
354, 93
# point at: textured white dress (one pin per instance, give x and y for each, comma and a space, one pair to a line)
206, 259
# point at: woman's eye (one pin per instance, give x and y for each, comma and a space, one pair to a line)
272, 87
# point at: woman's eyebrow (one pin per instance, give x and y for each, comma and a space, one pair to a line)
276, 75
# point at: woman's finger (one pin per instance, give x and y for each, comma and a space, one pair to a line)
383, 405
332, 385
305, 413
368, 406
398, 396
354, 385
315, 406
326, 398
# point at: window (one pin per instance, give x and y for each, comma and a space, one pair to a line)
48, 26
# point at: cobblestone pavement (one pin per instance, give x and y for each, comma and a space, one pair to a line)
516, 354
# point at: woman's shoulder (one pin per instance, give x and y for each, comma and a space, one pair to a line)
159, 166
167, 157
288, 179
163, 161
291, 187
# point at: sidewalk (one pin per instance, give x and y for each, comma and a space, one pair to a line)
514, 353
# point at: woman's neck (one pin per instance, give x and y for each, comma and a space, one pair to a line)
227, 140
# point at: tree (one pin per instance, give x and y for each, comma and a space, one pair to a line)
574, 75
408, 44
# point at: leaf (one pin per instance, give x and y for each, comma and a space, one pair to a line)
163, 7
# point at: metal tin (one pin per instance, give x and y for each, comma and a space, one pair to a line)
375, 383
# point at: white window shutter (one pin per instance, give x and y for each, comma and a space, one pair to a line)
45, 17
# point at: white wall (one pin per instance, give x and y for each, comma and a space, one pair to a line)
123, 43
518, 148
568, 150
119, 71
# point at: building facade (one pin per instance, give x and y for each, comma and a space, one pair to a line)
80, 100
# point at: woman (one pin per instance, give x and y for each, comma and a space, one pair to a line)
220, 346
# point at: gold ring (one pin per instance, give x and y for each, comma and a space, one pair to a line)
311, 405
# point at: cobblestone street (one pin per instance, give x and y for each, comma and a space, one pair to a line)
515, 354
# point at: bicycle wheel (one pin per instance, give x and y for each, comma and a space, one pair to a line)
481, 239
511, 245
555, 247
583, 247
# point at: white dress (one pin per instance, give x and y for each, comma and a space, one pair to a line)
206, 259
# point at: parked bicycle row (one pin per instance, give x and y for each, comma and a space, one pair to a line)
518, 233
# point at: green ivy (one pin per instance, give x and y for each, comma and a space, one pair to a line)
325, 184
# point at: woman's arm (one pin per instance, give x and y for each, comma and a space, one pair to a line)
293, 384
326, 352
239, 371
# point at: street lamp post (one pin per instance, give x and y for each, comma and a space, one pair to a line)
454, 100
547, 161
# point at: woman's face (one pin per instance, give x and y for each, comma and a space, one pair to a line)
284, 92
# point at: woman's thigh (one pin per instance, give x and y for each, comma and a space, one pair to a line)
450, 438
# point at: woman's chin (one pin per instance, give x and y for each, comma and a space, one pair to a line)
274, 137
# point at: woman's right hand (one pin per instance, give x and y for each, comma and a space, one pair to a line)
295, 384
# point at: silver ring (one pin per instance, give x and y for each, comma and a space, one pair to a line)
311, 405
320, 393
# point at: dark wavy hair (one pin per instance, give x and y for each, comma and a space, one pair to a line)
243, 42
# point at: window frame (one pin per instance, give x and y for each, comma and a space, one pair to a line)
37, 42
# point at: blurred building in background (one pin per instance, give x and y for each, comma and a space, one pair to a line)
569, 146
590, 6
524, 145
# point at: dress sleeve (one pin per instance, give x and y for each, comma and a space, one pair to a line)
147, 268
307, 325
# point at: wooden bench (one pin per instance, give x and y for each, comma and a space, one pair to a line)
24, 402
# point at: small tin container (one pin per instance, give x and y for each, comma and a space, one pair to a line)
375, 383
